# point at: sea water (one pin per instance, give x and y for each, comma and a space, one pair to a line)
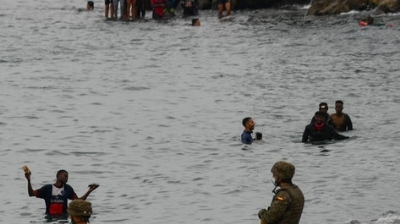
152, 112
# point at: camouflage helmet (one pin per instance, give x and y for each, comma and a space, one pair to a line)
283, 170
80, 207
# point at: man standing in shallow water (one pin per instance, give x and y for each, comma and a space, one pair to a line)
246, 136
340, 121
323, 107
320, 131
56, 195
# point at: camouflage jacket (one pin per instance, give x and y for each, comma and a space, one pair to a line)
286, 206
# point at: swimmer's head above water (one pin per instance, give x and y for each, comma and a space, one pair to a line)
90, 5
195, 22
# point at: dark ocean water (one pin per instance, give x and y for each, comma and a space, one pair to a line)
152, 112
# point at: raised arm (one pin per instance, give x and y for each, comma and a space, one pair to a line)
31, 192
92, 187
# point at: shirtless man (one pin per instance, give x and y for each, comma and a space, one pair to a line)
340, 121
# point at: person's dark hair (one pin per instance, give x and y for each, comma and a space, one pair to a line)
320, 113
339, 101
60, 172
194, 21
91, 4
323, 104
245, 120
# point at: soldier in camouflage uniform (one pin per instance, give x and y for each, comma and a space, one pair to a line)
288, 202
79, 211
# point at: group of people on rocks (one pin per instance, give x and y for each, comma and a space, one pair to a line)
321, 128
136, 9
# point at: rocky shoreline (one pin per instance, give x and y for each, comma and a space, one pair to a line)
318, 7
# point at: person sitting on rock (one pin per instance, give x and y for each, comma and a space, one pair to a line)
190, 7
158, 8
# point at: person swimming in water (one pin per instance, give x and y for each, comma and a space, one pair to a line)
195, 22
367, 21
90, 5
246, 136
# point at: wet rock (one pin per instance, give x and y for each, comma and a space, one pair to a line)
332, 7
389, 6
318, 7
205, 4
253, 4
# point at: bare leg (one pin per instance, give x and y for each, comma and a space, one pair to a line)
228, 8
220, 9
128, 8
112, 11
106, 11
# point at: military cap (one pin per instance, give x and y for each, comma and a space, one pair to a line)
80, 207
284, 170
